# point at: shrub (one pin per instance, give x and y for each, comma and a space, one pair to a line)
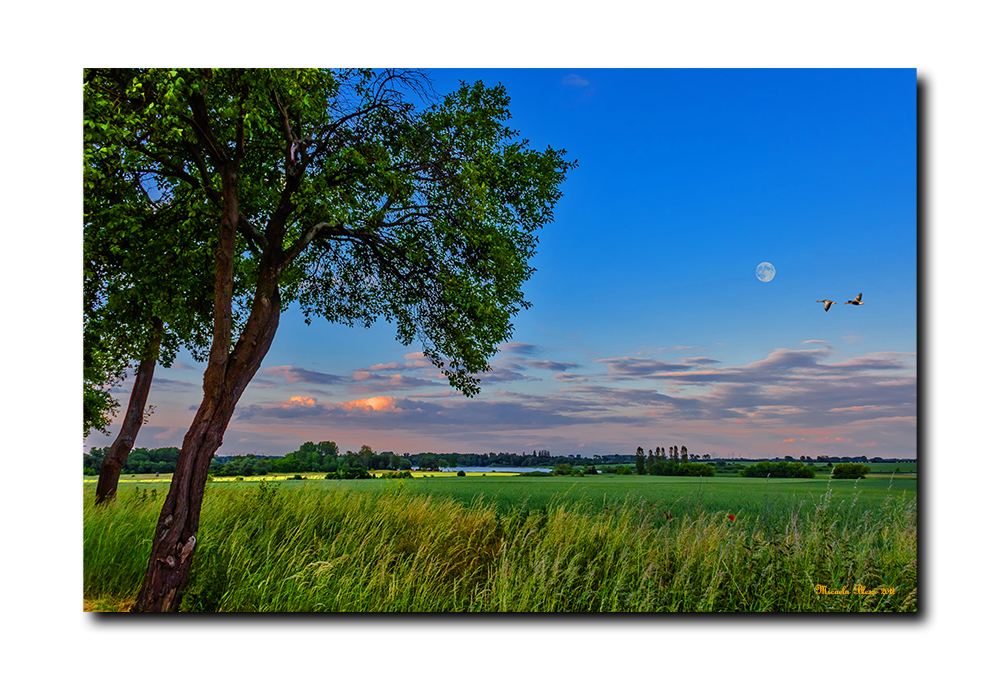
671, 468
563, 469
461, 473
850, 471
624, 470
399, 474
331, 475
767, 468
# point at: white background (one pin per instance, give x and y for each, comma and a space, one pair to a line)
45, 48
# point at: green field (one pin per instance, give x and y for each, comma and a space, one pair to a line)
767, 499
507, 543
674, 495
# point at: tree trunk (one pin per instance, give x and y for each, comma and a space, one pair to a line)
177, 528
114, 459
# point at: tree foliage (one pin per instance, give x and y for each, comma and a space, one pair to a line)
670, 468
850, 471
767, 468
147, 241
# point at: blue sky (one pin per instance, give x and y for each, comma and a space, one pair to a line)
648, 326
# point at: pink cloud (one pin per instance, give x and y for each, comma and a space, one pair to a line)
370, 404
298, 401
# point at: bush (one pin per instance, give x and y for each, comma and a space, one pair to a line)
671, 468
624, 470
353, 473
563, 469
767, 468
461, 473
331, 475
850, 471
400, 474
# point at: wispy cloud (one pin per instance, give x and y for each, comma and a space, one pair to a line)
629, 368
173, 385
574, 80
551, 365
294, 374
520, 348
700, 361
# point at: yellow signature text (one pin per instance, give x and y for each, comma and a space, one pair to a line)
858, 589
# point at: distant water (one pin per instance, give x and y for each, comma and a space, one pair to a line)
496, 469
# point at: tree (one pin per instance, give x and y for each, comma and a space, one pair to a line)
367, 455
137, 310
640, 461
850, 471
334, 190
684, 454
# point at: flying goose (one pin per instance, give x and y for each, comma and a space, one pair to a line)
826, 304
855, 301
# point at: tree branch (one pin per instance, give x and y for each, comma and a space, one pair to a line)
324, 229
203, 128
253, 234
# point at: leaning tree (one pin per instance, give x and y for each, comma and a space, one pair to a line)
359, 195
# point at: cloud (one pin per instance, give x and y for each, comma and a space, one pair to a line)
551, 365
181, 366
519, 348
790, 396
574, 80
501, 374
368, 381
414, 361
167, 433
371, 404
174, 385
295, 402
628, 368
293, 374
570, 377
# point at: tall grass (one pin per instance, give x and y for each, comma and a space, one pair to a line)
321, 547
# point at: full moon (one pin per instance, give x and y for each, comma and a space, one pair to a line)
765, 271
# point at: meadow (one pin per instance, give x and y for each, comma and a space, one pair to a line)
499, 543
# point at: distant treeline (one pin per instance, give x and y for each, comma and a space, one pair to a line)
326, 456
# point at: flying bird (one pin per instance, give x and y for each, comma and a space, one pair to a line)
826, 304
855, 301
